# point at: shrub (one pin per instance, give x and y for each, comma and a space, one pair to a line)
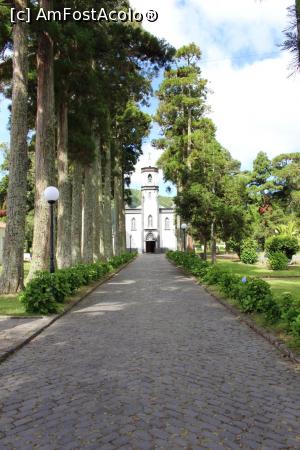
271, 309
249, 256
38, 297
284, 244
255, 296
278, 261
190, 262
290, 309
248, 251
45, 293
295, 326
213, 274
229, 283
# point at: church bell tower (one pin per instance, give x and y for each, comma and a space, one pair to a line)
150, 209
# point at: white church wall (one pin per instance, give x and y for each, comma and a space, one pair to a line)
167, 230
133, 221
150, 205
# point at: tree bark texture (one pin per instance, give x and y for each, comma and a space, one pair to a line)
64, 206
108, 248
118, 200
88, 206
76, 225
213, 243
101, 203
45, 148
12, 276
205, 250
97, 222
122, 218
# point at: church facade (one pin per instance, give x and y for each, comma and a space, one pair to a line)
150, 228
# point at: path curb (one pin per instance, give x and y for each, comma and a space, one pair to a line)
15, 348
280, 346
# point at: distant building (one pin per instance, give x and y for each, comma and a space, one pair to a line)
150, 228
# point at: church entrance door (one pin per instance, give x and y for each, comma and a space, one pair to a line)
150, 246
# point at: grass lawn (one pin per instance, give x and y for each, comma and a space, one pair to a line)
10, 304
258, 271
281, 285
280, 280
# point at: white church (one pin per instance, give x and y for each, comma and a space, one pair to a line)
150, 228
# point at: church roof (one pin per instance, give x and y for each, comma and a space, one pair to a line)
149, 169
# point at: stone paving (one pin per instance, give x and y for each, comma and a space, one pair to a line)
149, 360
14, 331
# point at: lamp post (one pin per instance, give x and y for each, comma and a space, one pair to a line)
130, 237
184, 227
51, 195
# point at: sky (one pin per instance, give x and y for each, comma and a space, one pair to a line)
254, 103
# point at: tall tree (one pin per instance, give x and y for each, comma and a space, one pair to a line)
64, 209
182, 96
88, 212
107, 199
292, 33
76, 223
45, 146
211, 199
12, 276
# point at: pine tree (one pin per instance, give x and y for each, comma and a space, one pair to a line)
12, 276
45, 146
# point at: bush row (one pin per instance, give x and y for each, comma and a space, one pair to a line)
252, 294
46, 292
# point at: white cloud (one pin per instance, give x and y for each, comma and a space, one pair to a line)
255, 105
256, 108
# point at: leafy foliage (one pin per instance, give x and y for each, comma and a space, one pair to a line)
249, 251
278, 261
46, 292
252, 294
284, 244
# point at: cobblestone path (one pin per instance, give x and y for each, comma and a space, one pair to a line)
149, 361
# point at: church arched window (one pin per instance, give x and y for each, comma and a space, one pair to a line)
133, 224
149, 178
150, 221
167, 223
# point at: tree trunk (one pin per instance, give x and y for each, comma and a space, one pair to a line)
64, 207
45, 148
118, 191
205, 250
88, 241
213, 243
12, 276
122, 219
101, 201
97, 222
76, 225
108, 249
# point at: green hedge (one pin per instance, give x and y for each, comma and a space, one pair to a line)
249, 251
284, 244
46, 292
252, 294
278, 261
